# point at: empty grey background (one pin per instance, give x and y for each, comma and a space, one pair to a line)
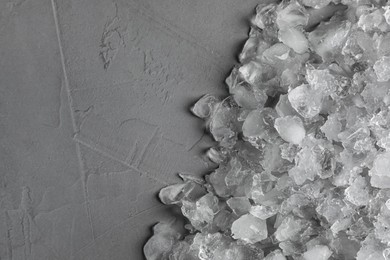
94, 98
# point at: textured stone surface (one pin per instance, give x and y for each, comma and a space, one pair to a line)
94, 99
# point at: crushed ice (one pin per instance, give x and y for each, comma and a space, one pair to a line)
303, 143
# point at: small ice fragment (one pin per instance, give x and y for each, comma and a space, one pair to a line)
306, 101
171, 194
204, 106
358, 192
264, 212
160, 244
249, 229
260, 124
275, 255
290, 228
380, 172
332, 128
382, 69
291, 129
239, 205
317, 4
319, 252
295, 39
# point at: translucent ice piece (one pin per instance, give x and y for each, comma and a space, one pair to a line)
205, 106
275, 255
295, 39
263, 211
259, 124
319, 252
250, 229
291, 129
382, 69
380, 174
160, 244
306, 101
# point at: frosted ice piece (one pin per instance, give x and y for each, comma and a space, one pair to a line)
380, 172
288, 151
306, 101
239, 205
275, 255
202, 212
247, 97
204, 107
259, 124
291, 129
316, 3
295, 39
358, 192
256, 73
265, 15
278, 52
321, 80
263, 211
372, 21
250, 229
382, 69
328, 38
223, 122
319, 252
254, 45
216, 154
371, 249
292, 15
160, 244
332, 128
290, 228
284, 108
387, 16
172, 194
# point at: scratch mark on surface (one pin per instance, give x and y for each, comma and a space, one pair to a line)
103, 153
142, 154
196, 143
172, 30
70, 102
9, 230
118, 225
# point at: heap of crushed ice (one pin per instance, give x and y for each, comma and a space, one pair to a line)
304, 143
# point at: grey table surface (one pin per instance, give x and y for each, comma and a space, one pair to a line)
94, 98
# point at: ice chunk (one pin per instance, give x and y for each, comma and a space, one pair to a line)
332, 128
295, 39
316, 3
259, 124
358, 192
380, 172
275, 255
290, 228
205, 106
382, 69
160, 244
306, 101
239, 205
250, 229
291, 129
319, 252
263, 211
292, 15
